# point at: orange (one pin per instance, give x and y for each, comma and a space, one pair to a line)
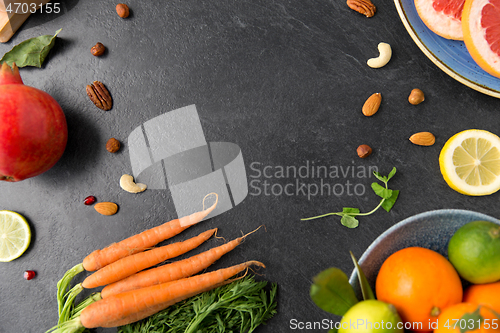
420, 283
468, 317
481, 28
443, 17
484, 294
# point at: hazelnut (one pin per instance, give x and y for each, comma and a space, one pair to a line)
98, 49
364, 151
113, 145
122, 10
416, 96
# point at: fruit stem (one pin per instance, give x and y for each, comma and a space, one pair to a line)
435, 311
494, 232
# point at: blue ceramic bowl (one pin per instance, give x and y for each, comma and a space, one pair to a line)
431, 230
451, 56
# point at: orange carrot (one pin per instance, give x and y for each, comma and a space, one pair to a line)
130, 265
120, 309
142, 241
134, 244
159, 307
170, 272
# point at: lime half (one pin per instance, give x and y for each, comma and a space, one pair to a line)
15, 235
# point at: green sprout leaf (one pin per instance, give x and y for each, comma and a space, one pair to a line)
348, 210
381, 191
391, 174
348, 214
349, 221
388, 203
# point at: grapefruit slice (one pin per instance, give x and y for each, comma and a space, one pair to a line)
481, 27
443, 17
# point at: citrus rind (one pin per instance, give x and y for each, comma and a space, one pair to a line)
474, 37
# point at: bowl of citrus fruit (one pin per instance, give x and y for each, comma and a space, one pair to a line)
462, 37
438, 270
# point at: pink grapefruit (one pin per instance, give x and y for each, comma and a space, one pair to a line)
443, 17
481, 28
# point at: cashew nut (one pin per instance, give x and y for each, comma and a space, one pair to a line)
127, 183
384, 57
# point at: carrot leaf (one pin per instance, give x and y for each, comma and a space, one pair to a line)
242, 305
348, 215
63, 286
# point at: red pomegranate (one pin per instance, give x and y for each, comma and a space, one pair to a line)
33, 129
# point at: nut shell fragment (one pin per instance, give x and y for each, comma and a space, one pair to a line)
127, 183
372, 105
106, 208
99, 95
423, 139
365, 7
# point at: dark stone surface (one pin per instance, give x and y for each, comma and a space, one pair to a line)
285, 80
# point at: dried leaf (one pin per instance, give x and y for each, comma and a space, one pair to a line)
31, 52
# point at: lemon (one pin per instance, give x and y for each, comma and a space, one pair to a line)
15, 235
371, 316
470, 162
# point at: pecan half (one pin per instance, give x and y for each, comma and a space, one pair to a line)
365, 7
98, 94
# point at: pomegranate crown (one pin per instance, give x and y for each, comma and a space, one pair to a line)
10, 75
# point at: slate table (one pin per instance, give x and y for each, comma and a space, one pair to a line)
285, 81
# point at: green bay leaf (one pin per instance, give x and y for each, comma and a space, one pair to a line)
31, 52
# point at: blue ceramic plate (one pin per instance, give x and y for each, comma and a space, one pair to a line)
431, 230
449, 55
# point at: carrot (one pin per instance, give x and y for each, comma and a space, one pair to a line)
127, 266
123, 308
124, 248
174, 271
142, 241
155, 309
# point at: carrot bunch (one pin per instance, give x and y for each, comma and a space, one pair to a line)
133, 290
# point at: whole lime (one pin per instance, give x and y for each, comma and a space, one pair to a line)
474, 250
371, 316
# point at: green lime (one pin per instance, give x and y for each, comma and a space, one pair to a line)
474, 250
371, 316
15, 235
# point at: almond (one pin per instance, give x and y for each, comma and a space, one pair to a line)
106, 208
423, 139
372, 104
